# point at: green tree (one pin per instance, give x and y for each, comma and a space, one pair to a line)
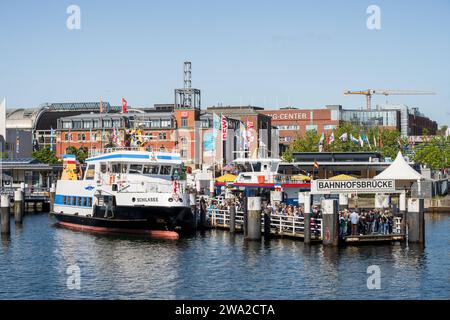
387, 142
46, 155
81, 154
435, 153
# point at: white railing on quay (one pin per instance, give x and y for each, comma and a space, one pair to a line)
279, 224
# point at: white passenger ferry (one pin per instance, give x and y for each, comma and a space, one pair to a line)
124, 192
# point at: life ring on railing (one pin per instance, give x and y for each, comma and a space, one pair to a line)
112, 179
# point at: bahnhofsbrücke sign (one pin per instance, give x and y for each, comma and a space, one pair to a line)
353, 186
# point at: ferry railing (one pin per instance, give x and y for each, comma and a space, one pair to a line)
279, 224
96, 152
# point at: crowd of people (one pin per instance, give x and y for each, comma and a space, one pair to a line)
365, 222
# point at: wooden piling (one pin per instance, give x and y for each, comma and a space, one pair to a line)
5, 215
232, 218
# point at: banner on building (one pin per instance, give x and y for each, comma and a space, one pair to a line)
224, 128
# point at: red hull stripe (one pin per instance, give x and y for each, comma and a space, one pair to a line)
267, 185
160, 234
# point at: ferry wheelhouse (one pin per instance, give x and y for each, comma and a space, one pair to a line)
261, 176
125, 192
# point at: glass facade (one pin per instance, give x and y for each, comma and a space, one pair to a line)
371, 118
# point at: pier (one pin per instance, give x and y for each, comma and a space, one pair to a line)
294, 227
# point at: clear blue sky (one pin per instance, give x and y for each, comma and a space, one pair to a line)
266, 53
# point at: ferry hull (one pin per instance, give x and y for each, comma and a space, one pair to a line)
153, 222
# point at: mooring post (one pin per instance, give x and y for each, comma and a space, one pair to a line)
18, 205
330, 219
267, 222
232, 218
202, 204
245, 226
4, 214
52, 197
307, 218
402, 209
416, 221
193, 204
254, 218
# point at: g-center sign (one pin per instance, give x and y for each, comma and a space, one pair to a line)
353, 186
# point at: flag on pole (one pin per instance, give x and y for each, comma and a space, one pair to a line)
360, 140
101, 105
52, 137
316, 164
124, 105
69, 136
366, 140
322, 138
331, 138
216, 125
374, 140
353, 139
343, 137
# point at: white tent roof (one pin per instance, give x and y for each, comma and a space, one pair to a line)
399, 170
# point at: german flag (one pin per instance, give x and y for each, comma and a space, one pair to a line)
316, 164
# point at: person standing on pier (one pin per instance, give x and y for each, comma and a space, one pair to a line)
354, 218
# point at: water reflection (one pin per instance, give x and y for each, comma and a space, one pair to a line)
215, 264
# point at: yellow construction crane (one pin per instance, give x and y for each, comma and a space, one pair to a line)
370, 92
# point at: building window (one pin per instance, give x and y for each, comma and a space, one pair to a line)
162, 149
162, 136
311, 127
183, 153
184, 122
116, 123
81, 137
66, 137
329, 127
87, 124
166, 123
67, 124
107, 123
184, 141
77, 124
95, 124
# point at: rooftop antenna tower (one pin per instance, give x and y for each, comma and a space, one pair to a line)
187, 98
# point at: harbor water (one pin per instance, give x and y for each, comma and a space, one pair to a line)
37, 259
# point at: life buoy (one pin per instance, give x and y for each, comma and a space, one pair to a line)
112, 179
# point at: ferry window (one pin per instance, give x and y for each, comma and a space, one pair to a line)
90, 172
103, 168
119, 168
257, 166
176, 171
135, 168
64, 200
165, 170
151, 169
89, 202
79, 201
74, 201
244, 167
84, 202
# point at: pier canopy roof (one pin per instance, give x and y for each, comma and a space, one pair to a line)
340, 177
399, 170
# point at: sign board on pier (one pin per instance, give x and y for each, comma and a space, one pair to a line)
353, 186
